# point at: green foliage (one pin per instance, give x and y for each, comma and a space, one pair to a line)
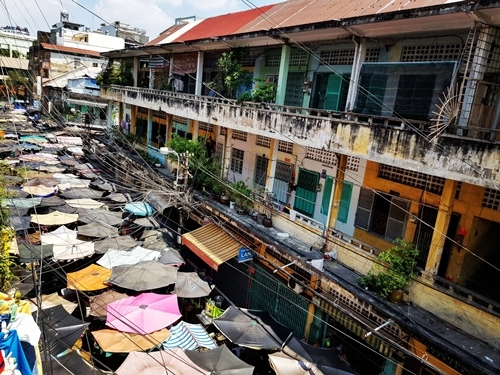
161, 81
116, 73
240, 193
230, 76
264, 92
17, 78
394, 269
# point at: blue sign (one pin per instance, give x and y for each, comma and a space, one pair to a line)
244, 254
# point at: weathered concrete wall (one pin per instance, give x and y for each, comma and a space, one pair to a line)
456, 158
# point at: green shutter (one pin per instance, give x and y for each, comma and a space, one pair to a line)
305, 194
327, 194
345, 200
333, 90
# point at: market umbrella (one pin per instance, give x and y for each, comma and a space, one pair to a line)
72, 364
54, 218
33, 253
255, 329
90, 278
84, 203
99, 303
114, 257
100, 215
61, 329
66, 245
112, 341
147, 275
52, 201
75, 183
145, 313
117, 198
103, 185
189, 285
300, 358
21, 202
172, 257
19, 222
82, 193
52, 300
118, 242
44, 181
156, 239
156, 363
188, 336
97, 230
69, 161
39, 190
33, 139
140, 209
220, 361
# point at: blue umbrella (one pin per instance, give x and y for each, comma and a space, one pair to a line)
140, 209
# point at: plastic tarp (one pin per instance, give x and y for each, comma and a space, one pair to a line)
147, 275
113, 341
189, 285
188, 337
220, 361
115, 258
90, 278
255, 329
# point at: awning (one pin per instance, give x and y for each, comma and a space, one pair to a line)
212, 244
87, 103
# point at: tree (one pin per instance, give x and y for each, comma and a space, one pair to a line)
116, 73
231, 77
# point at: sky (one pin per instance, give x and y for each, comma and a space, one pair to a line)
154, 16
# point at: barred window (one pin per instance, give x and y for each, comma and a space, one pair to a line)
207, 127
337, 57
237, 160
263, 141
298, 58
261, 164
179, 119
372, 54
432, 52
239, 135
219, 151
418, 180
323, 156
285, 146
273, 60
353, 163
491, 199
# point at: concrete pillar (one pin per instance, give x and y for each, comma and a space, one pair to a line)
359, 58
271, 167
150, 127
199, 74
133, 119
337, 190
120, 114
135, 71
441, 227
109, 115
151, 78
310, 318
283, 74
227, 152
195, 125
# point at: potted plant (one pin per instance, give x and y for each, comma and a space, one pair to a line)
393, 271
240, 194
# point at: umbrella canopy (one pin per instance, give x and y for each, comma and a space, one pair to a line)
43, 181
117, 198
171, 257
73, 363
254, 329
74, 183
115, 258
54, 218
32, 139
39, 190
220, 361
155, 363
33, 253
113, 341
62, 329
300, 358
69, 161
82, 193
103, 185
53, 300
90, 278
97, 230
99, 303
119, 242
21, 202
188, 337
156, 239
145, 313
189, 285
66, 245
99, 215
140, 209
19, 222
84, 203
147, 275
52, 201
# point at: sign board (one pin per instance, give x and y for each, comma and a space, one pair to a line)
244, 254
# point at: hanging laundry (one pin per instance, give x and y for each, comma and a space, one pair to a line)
10, 343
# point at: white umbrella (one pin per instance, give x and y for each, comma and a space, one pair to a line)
39, 190
66, 246
113, 258
189, 285
54, 218
84, 203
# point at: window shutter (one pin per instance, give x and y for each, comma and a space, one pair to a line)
327, 194
345, 200
333, 88
397, 219
363, 213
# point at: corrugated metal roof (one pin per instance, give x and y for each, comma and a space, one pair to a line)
55, 47
164, 35
225, 24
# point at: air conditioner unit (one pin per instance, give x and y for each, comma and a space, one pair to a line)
295, 286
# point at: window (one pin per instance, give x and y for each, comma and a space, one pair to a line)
284, 146
419, 180
263, 141
382, 214
306, 192
272, 78
345, 200
95, 65
237, 160
239, 135
261, 164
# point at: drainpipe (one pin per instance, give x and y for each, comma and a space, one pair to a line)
359, 57
199, 74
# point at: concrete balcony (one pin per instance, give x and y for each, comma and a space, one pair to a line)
404, 144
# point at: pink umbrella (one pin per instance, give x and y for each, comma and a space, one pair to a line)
146, 313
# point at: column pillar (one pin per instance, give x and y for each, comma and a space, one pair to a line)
310, 319
441, 227
109, 115
135, 70
359, 58
150, 127
133, 120
271, 167
199, 74
227, 152
283, 74
337, 191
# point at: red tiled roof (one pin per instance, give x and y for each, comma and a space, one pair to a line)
165, 34
78, 51
225, 24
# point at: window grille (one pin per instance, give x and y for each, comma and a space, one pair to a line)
273, 60
491, 199
261, 165
219, 151
372, 54
237, 160
418, 180
298, 59
323, 156
207, 127
179, 119
222, 131
353, 163
337, 57
239, 135
432, 52
285, 146
248, 61
263, 141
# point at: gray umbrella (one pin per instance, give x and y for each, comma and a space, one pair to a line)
82, 193
104, 216
52, 201
220, 361
117, 198
20, 222
119, 242
171, 256
103, 185
97, 230
156, 239
142, 276
32, 253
